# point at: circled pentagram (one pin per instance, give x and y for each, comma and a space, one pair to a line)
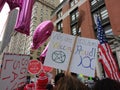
58, 56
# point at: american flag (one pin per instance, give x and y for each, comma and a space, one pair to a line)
105, 53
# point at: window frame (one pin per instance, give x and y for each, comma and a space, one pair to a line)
73, 2
59, 14
59, 24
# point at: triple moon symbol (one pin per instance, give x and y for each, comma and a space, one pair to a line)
58, 56
86, 62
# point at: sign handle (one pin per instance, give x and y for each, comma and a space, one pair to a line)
68, 69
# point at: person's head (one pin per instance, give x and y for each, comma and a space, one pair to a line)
70, 83
74, 74
49, 87
107, 84
58, 76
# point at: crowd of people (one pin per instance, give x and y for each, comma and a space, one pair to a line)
70, 81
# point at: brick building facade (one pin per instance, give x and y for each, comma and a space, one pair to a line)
76, 17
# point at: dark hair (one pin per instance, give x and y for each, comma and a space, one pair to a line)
73, 74
58, 76
70, 83
49, 87
107, 84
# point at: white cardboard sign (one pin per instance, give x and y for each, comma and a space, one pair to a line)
59, 50
14, 71
84, 54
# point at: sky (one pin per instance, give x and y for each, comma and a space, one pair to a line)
3, 18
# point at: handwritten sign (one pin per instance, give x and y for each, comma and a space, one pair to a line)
14, 71
59, 50
84, 56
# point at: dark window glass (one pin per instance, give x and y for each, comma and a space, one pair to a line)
60, 26
74, 15
59, 14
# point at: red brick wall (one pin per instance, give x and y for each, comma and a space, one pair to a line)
66, 25
86, 26
54, 17
65, 7
114, 14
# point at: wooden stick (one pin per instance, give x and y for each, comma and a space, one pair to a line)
68, 69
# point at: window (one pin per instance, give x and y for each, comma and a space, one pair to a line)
59, 14
60, 26
73, 2
74, 15
75, 29
103, 13
95, 2
108, 30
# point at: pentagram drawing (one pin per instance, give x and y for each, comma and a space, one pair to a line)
58, 56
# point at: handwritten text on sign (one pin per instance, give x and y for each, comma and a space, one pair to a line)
14, 71
84, 56
59, 50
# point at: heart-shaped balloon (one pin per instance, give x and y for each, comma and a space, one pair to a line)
41, 33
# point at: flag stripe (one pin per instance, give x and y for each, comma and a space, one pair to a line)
109, 58
112, 59
106, 56
107, 62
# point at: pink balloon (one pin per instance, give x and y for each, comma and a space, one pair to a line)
24, 15
43, 54
41, 33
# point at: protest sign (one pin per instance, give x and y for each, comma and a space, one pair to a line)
14, 71
77, 52
59, 50
84, 56
34, 66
